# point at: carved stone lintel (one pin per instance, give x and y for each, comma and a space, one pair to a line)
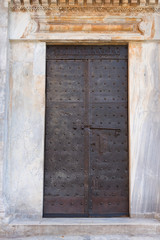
41, 25
86, 24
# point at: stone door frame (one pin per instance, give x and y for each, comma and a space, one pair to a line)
24, 110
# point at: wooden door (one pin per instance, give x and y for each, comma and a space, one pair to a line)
86, 143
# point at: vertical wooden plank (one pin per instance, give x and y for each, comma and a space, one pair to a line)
109, 133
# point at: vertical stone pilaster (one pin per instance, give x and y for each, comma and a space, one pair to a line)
144, 109
26, 113
3, 86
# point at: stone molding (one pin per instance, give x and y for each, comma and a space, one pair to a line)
112, 10
41, 24
62, 26
111, 6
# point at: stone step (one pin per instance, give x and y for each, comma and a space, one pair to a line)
87, 237
82, 227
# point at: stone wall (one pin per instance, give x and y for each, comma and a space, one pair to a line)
24, 185
3, 94
23, 158
85, 26
144, 114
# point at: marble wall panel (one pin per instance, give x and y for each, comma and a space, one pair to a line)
24, 184
3, 95
83, 26
144, 108
25, 161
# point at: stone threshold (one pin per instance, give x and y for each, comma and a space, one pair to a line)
87, 221
90, 237
80, 227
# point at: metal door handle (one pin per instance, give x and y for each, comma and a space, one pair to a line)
117, 130
101, 128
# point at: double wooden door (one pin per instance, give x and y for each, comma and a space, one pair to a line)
86, 142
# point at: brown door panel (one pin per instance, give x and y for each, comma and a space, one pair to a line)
86, 142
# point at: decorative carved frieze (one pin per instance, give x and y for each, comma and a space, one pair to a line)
111, 6
59, 22
111, 10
